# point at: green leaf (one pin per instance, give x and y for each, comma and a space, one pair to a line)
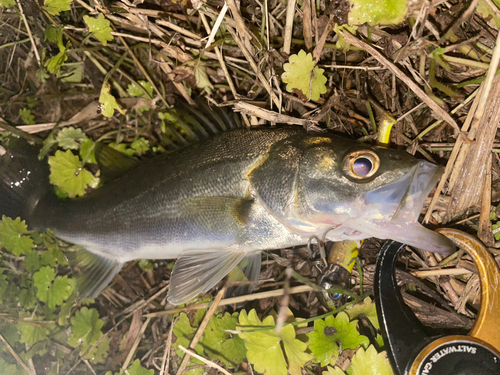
12, 236
32, 261
26, 116
31, 332
27, 298
41, 74
382, 12
48, 259
70, 138
47, 145
370, 362
137, 369
195, 69
301, 74
32, 102
333, 371
379, 340
122, 147
4, 284
86, 330
67, 173
100, 28
100, 352
55, 63
7, 3
140, 145
264, 347
145, 265
11, 368
495, 226
54, 34
185, 333
72, 72
50, 289
87, 153
220, 345
108, 102
490, 16
368, 309
136, 91
54, 7
324, 340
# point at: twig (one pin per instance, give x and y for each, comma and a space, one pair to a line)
201, 329
254, 66
141, 68
493, 7
443, 272
165, 364
20, 133
234, 300
285, 302
307, 24
14, 354
290, 14
218, 52
274, 116
136, 344
246, 35
217, 24
204, 360
37, 55
440, 112
180, 30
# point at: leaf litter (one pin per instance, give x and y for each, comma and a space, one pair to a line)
132, 62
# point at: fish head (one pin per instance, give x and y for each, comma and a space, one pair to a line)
355, 191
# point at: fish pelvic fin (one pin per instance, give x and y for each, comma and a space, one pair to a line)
93, 272
24, 179
198, 271
245, 275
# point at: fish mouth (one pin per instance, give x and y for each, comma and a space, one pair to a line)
392, 211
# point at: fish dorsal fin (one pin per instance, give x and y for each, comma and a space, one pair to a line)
197, 271
113, 163
93, 272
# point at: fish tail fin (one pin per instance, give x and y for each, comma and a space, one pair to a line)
24, 179
93, 272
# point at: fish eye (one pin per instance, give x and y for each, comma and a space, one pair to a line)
361, 164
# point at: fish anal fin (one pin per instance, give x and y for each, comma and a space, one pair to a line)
93, 272
198, 271
113, 163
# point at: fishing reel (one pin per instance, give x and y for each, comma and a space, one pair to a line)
410, 350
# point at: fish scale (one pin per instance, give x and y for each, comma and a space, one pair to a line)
226, 198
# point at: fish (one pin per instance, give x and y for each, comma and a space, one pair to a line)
221, 201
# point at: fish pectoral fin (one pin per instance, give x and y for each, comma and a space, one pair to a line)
244, 275
113, 163
197, 271
93, 272
224, 213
